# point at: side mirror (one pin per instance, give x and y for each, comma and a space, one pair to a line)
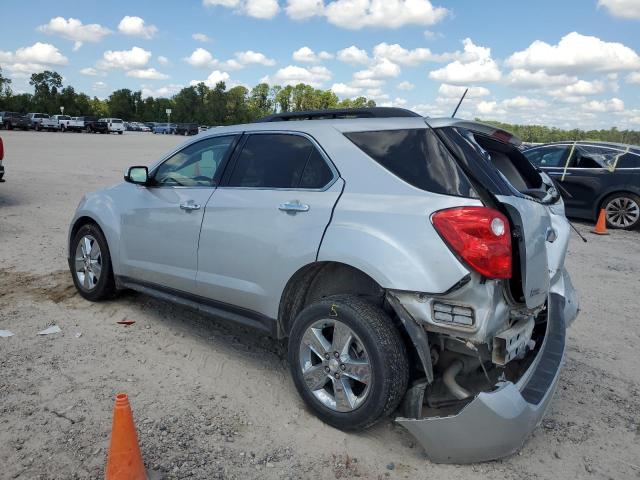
137, 175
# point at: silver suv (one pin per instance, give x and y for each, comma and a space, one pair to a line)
413, 264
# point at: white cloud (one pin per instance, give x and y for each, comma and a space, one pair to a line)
406, 86
92, 72
27, 60
622, 8
381, 69
99, 86
456, 91
162, 60
612, 105
125, 59
264, 9
73, 29
633, 77
213, 78
253, 58
161, 92
523, 103
201, 37
353, 56
136, 26
306, 55
367, 82
202, 58
401, 55
293, 74
520, 78
576, 53
147, 74
579, 88
475, 65
485, 107
356, 14
302, 9
344, 90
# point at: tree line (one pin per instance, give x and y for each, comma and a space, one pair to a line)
198, 103
542, 134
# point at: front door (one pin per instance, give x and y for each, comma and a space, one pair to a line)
161, 225
266, 220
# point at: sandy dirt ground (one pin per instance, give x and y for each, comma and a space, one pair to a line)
213, 400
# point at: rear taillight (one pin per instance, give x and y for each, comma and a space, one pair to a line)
480, 236
1, 150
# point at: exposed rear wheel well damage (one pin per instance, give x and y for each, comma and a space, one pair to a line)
322, 279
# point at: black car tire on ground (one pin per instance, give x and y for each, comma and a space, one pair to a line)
630, 203
106, 287
385, 350
119, 133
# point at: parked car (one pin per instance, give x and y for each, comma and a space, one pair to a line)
186, 129
1, 158
164, 128
114, 125
11, 120
42, 121
63, 121
593, 176
408, 260
143, 127
94, 125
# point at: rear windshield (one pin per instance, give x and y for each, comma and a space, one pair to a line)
116, 120
417, 157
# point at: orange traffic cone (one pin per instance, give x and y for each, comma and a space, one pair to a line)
124, 461
601, 226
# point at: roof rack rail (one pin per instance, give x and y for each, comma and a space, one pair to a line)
374, 112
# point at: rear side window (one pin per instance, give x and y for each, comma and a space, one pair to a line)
417, 157
280, 161
555, 156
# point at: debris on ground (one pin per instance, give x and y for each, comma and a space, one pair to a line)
6, 333
126, 322
50, 330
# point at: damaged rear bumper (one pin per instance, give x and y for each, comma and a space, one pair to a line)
497, 423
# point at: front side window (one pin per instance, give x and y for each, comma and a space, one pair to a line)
280, 161
554, 156
195, 165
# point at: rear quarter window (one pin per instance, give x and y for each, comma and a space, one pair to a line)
417, 157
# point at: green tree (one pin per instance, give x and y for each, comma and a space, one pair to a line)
46, 85
121, 104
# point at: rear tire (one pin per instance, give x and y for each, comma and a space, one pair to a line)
622, 211
374, 353
97, 283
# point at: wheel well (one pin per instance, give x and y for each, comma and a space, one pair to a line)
322, 279
81, 222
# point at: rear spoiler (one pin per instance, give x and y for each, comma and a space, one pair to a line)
477, 127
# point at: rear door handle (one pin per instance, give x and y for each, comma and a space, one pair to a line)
189, 206
294, 207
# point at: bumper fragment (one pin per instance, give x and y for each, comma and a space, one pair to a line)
496, 424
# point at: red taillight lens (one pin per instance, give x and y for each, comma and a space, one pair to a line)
480, 236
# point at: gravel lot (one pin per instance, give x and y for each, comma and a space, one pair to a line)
213, 400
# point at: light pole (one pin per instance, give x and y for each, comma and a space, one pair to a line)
168, 110
62, 110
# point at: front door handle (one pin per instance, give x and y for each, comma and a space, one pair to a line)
189, 206
294, 207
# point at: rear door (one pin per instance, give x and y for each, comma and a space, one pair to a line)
266, 220
161, 224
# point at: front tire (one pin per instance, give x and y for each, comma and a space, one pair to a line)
622, 211
348, 361
90, 264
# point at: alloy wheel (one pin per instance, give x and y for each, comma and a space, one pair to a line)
622, 212
88, 262
335, 365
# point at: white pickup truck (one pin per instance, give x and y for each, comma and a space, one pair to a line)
63, 121
42, 121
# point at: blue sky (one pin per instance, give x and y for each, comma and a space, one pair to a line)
570, 63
